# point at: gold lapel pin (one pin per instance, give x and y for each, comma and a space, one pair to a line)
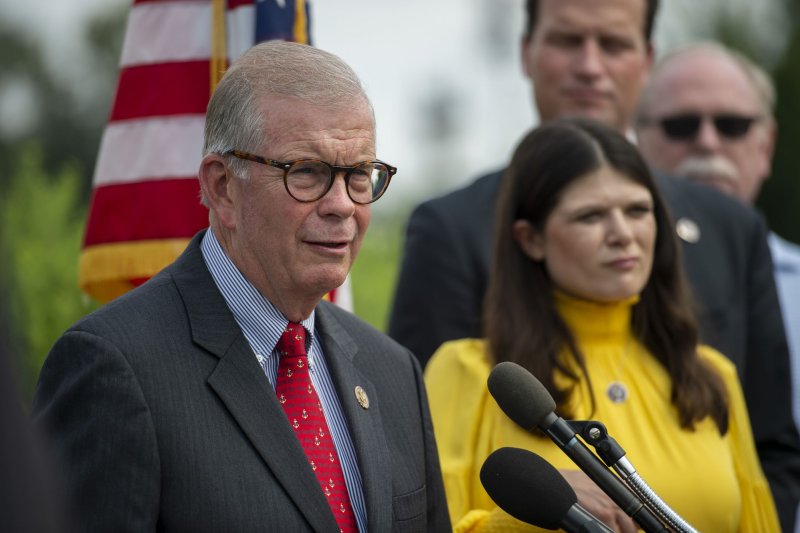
361, 396
688, 230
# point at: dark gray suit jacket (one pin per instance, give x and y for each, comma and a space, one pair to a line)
445, 271
163, 419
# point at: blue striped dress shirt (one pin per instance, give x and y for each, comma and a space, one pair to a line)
262, 325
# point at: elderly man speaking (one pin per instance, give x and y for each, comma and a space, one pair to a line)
224, 395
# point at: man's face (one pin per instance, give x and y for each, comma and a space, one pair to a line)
588, 58
290, 249
712, 89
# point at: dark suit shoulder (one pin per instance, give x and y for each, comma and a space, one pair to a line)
695, 200
445, 267
456, 227
136, 312
464, 202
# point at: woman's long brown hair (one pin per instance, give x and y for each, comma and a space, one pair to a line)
521, 321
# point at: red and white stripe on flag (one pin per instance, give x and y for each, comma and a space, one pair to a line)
145, 203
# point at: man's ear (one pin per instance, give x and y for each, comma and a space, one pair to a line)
217, 185
530, 241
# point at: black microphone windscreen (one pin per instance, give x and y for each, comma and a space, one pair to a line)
520, 395
527, 487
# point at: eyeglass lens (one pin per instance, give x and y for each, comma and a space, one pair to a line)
310, 180
684, 127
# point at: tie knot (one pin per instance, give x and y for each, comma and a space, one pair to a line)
293, 340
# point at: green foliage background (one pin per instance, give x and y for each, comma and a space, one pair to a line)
779, 199
780, 196
375, 271
41, 224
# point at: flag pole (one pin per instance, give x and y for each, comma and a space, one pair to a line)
218, 62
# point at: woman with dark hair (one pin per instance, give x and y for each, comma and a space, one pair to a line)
587, 293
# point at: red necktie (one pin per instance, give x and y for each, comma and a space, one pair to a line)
300, 401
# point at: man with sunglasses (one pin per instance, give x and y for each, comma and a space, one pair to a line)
706, 116
592, 58
224, 394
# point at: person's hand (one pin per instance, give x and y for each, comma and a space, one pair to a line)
597, 502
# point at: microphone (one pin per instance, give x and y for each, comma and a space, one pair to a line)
526, 401
530, 489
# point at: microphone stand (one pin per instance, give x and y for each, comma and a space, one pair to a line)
562, 433
612, 454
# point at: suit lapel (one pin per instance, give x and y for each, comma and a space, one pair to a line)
241, 385
365, 425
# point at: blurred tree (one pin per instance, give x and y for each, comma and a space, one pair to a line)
41, 225
374, 273
47, 113
780, 197
48, 151
67, 120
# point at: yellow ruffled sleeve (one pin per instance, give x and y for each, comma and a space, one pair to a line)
455, 379
463, 421
758, 508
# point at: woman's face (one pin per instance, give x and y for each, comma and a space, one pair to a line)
598, 241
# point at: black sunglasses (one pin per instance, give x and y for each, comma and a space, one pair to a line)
685, 126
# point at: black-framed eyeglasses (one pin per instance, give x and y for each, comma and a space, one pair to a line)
308, 180
684, 127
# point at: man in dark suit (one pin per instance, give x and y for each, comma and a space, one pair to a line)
591, 58
706, 115
224, 395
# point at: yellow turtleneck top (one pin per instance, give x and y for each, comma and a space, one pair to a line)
713, 482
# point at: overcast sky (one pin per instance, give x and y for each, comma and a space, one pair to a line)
443, 75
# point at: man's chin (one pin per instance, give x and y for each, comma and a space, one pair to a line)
600, 113
324, 280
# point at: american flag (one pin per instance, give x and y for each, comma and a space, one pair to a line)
145, 202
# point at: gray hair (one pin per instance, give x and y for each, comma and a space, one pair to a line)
233, 118
759, 80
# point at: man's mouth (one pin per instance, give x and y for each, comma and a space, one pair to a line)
331, 245
585, 94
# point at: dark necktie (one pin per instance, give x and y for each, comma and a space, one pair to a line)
302, 406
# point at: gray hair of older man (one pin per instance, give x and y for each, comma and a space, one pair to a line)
758, 78
234, 119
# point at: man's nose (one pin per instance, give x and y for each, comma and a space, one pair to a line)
590, 59
337, 201
707, 138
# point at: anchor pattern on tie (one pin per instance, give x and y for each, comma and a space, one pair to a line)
303, 409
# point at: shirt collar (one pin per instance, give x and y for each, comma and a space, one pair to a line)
261, 322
